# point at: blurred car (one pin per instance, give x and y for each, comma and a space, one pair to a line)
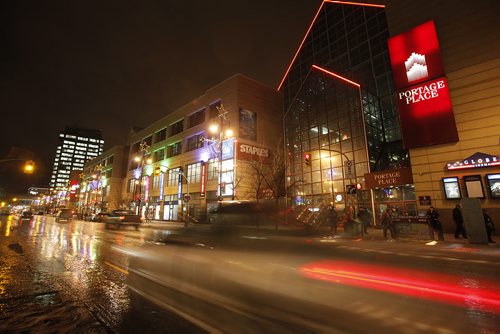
26, 215
119, 218
96, 217
64, 215
240, 213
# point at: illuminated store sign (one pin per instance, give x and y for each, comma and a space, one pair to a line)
423, 97
228, 149
477, 160
394, 177
203, 179
415, 55
451, 188
251, 152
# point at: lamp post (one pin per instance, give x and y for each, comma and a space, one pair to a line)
223, 133
144, 150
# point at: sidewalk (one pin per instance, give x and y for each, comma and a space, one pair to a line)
374, 234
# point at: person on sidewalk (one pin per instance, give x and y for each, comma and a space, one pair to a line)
333, 220
364, 216
387, 224
435, 224
490, 227
459, 222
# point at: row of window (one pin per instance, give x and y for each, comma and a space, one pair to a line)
194, 119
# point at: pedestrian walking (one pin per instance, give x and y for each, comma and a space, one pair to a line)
387, 224
333, 220
490, 227
435, 224
364, 216
459, 222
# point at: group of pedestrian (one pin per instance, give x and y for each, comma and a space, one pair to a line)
387, 223
435, 224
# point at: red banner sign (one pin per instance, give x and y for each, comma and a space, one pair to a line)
423, 97
426, 114
415, 56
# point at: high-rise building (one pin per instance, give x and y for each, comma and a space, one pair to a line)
75, 146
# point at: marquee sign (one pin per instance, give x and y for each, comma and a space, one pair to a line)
477, 160
423, 97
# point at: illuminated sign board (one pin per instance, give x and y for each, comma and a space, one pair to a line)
179, 187
474, 186
394, 177
415, 56
477, 160
162, 176
493, 181
451, 188
203, 179
423, 96
228, 149
252, 152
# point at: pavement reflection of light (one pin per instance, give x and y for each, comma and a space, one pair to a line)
449, 289
8, 226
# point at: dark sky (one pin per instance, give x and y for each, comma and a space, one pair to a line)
113, 64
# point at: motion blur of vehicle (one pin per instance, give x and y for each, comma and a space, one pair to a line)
96, 217
252, 281
241, 213
26, 215
119, 218
64, 215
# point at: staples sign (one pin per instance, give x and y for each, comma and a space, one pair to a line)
423, 97
250, 152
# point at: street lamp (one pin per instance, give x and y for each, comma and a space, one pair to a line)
144, 150
223, 133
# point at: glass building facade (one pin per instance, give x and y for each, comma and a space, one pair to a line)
339, 108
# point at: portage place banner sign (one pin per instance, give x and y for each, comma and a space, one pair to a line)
423, 97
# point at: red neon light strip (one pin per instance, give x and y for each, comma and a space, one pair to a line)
310, 26
356, 3
337, 76
431, 286
300, 47
489, 164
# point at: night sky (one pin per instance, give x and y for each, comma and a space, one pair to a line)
111, 65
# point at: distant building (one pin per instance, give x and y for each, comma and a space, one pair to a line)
74, 148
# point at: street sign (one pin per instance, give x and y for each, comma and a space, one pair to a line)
187, 198
348, 169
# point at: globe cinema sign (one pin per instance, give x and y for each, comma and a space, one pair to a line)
422, 93
477, 160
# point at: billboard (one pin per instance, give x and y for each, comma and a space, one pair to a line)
422, 92
451, 188
415, 56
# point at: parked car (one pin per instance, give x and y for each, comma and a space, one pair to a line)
64, 215
26, 215
119, 218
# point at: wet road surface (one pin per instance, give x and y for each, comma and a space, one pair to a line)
99, 280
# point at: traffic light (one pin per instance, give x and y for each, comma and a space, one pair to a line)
307, 159
29, 167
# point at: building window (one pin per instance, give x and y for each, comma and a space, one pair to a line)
213, 112
196, 118
130, 185
196, 141
175, 149
173, 177
148, 140
156, 181
159, 155
194, 173
213, 168
160, 135
177, 127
